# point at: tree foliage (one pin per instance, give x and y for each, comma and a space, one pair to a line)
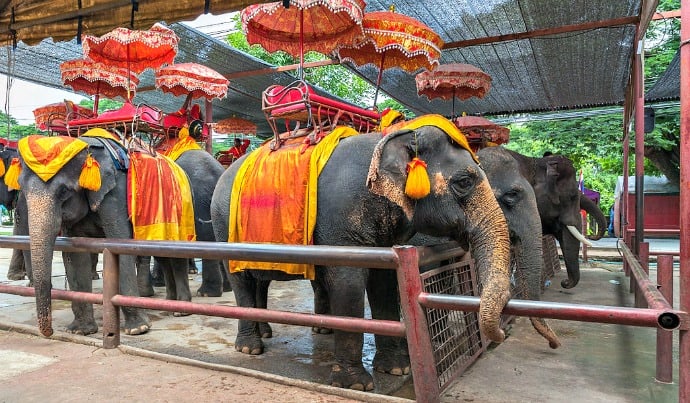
11, 129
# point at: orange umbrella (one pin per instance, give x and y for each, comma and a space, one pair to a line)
449, 81
192, 79
94, 78
393, 40
54, 116
235, 125
316, 25
479, 131
132, 49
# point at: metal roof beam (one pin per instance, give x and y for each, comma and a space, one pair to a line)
543, 32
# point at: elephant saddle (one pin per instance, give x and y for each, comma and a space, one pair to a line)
159, 198
274, 198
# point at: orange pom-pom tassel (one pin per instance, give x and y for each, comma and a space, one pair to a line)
2, 167
12, 174
90, 177
417, 185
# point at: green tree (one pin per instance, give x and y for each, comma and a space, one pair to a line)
104, 104
11, 129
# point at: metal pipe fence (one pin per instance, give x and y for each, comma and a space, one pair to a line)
416, 302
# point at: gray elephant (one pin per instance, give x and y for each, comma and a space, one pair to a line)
559, 201
362, 202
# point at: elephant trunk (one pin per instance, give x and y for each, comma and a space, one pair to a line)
490, 247
593, 210
43, 229
570, 246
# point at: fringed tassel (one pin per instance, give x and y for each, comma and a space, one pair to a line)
90, 177
2, 168
12, 174
417, 185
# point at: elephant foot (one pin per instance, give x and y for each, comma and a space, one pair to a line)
208, 291
94, 275
180, 314
16, 275
158, 281
147, 291
321, 330
82, 328
356, 378
265, 330
136, 323
568, 283
395, 364
249, 345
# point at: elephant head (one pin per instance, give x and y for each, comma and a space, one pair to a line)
559, 201
459, 205
8, 196
519, 205
57, 203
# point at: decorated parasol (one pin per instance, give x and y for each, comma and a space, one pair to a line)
54, 116
235, 125
98, 79
481, 131
134, 50
393, 40
303, 25
449, 81
193, 80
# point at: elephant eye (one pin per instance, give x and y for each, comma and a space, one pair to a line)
463, 185
511, 197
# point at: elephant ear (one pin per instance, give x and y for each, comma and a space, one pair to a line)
108, 176
388, 169
552, 175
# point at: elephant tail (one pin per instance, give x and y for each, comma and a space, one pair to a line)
545, 330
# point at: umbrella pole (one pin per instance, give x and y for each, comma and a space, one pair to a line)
301, 44
95, 104
378, 79
453, 102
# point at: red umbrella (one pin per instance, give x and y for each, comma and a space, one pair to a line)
132, 49
235, 125
192, 79
393, 40
449, 81
94, 78
317, 25
480, 131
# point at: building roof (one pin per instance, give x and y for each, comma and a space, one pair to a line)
542, 55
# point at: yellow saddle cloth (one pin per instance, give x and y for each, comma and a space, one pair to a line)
159, 199
45, 156
274, 198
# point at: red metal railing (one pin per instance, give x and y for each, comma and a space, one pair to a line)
405, 259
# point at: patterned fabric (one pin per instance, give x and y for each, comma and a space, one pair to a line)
269, 203
448, 81
159, 199
435, 120
45, 156
192, 78
325, 25
96, 78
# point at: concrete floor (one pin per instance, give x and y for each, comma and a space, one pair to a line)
596, 363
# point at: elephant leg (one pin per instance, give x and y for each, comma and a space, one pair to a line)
320, 306
392, 356
346, 298
77, 269
211, 279
144, 280
227, 287
248, 340
157, 274
17, 270
192, 266
94, 266
262, 302
175, 272
136, 321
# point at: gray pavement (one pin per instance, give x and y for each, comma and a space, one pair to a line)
193, 358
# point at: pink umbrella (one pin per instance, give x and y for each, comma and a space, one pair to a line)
192, 79
449, 81
98, 79
480, 131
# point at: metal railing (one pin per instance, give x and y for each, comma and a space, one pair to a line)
406, 260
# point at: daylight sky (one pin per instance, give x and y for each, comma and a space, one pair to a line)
25, 96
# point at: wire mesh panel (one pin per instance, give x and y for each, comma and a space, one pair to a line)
455, 336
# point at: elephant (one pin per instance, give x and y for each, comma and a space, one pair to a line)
362, 202
559, 201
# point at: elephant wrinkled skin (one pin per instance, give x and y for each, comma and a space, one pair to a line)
460, 206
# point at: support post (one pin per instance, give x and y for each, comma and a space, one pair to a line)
684, 336
111, 287
664, 338
643, 258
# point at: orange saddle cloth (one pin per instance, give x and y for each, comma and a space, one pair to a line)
159, 199
274, 198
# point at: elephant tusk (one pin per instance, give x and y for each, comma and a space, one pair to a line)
578, 235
